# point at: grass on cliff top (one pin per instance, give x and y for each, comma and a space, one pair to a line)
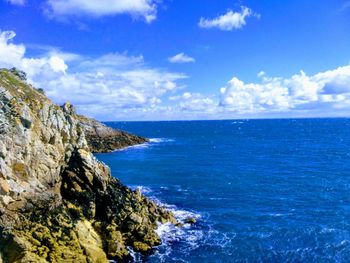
21, 89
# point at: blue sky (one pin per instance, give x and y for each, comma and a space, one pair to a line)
154, 60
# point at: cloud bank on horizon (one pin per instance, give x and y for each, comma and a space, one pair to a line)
120, 86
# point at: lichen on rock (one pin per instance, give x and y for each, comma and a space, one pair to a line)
58, 203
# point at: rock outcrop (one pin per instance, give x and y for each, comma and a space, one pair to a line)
57, 202
102, 138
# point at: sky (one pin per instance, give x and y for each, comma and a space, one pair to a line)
118, 60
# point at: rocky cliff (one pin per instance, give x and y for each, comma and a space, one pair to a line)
102, 138
57, 202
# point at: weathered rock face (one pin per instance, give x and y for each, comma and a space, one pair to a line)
102, 138
57, 202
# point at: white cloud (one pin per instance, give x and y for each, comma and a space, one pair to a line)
240, 97
119, 86
114, 83
300, 91
116, 89
195, 103
198, 103
137, 8
181, 58
322, 94
10, 54
57, 64
17, 2
113, 60
13, 55
229, 21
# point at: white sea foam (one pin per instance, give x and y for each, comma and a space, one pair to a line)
142, 189
146, 144
160, 140
136, 257
328, 230
275, 214
169, 233
137, 146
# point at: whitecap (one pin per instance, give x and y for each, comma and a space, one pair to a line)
142, 189
275, 214
137, 146
159, 140
169, 233
328, 230
237, 122
136, 257
145, 145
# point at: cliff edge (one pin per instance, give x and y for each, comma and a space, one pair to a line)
102, 138
57, 202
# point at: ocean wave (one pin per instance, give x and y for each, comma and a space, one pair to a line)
159, 140
188, 235
137, 146
145, 145
135, 256
180, 215
237, 122
143, 189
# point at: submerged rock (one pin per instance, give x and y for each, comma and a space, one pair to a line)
190, 220
58, 203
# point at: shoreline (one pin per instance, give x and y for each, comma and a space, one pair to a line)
58, 202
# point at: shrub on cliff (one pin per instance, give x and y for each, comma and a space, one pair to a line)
41, 91
19, 73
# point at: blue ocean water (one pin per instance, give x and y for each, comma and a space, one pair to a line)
262, 190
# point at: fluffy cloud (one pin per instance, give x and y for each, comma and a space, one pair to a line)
12, 55
322, 94
229, 21
300, 91
17, 2
119, 86
111, 86
181, 58
240, 97
195, 103
137, 8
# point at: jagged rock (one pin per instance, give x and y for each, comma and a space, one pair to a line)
58, 203
102, 138
190, 220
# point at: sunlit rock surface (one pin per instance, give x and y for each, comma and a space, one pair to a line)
57, 202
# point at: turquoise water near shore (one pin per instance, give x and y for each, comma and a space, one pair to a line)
261, 190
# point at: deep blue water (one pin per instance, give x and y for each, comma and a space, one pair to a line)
262, 190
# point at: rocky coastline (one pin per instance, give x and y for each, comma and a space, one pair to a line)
58, 203
102, 139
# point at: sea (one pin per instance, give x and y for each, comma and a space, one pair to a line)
261, 190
